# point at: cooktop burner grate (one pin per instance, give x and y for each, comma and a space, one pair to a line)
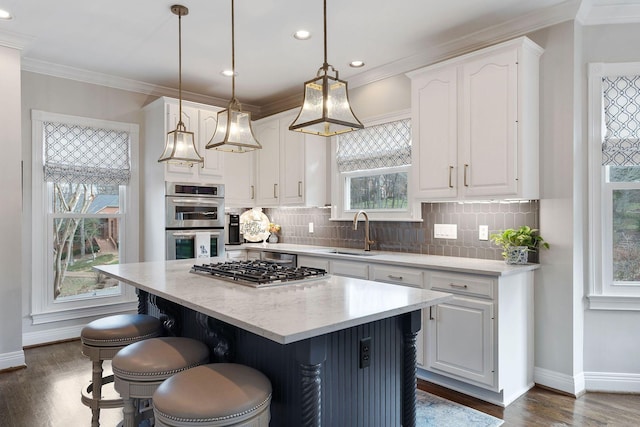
259, 273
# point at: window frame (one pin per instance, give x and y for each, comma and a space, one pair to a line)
603, 292
44, 307
339, 182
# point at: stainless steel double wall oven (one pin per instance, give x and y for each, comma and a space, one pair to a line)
194, 220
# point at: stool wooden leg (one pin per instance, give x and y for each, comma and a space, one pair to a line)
129, 412
97, 392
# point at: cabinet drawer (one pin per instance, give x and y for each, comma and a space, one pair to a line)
313, 262
397, 275
359, 270
465, 284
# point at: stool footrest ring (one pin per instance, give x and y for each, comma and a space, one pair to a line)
88, 400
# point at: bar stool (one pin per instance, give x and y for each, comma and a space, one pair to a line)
218, 394
141, 367
101, 340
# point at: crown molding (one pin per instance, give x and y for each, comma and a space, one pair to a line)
101, 79
507, 30
611, 14
14, 40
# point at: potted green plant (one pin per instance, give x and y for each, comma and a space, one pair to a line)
516, 244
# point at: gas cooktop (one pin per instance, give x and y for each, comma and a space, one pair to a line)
259, 273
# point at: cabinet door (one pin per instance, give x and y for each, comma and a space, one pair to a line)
488, 149
212, 170
177, 172
292, 146
460, 340
268, 163
435, 135
239, 185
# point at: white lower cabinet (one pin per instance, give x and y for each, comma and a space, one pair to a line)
460, 339
481, 341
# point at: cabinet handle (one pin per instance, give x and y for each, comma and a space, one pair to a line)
450, 173
253, 192
431, 313
391, 276
299, 188
455, 285
466, 167
275, 191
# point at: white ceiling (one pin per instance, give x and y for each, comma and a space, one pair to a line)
138, 40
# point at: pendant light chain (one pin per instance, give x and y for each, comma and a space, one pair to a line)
233, 52
180, 124
324, 14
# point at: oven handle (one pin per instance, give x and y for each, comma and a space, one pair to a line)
186, 201
192, 233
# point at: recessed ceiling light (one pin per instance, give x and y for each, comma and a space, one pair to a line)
356, 64
5, 15
302, 35
227, 73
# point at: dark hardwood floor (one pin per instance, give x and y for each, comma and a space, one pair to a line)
47, 394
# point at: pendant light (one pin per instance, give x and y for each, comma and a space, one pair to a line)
180, 146
233, 130
325, 110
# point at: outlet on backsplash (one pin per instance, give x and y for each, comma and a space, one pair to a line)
445, 231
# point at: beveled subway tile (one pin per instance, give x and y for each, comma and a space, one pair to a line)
415, 237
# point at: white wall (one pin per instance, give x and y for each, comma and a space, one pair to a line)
56, 95
11, 353
557, 343
612, 338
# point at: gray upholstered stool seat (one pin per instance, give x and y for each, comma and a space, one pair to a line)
219, 394
141, 367
101, 340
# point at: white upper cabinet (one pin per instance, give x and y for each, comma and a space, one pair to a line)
161, 116
291, 166
475, 125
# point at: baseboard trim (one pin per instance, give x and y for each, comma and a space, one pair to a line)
572, 385
612, 382
15, 359
51, 335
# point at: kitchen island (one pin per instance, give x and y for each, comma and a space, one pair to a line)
338, 351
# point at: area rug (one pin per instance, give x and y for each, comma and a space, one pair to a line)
434, 411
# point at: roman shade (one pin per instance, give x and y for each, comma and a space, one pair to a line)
379, 146
86, 155
621, 100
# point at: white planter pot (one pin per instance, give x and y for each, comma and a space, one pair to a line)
517, 255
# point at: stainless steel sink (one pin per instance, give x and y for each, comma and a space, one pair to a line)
351, 252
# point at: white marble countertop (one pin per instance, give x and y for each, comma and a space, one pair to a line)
431, 262
285, 313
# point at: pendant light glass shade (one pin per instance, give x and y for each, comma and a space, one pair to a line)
234, 133
325, 109
180, 146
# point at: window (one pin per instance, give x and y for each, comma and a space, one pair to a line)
83, 191
372, 168
614, 116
